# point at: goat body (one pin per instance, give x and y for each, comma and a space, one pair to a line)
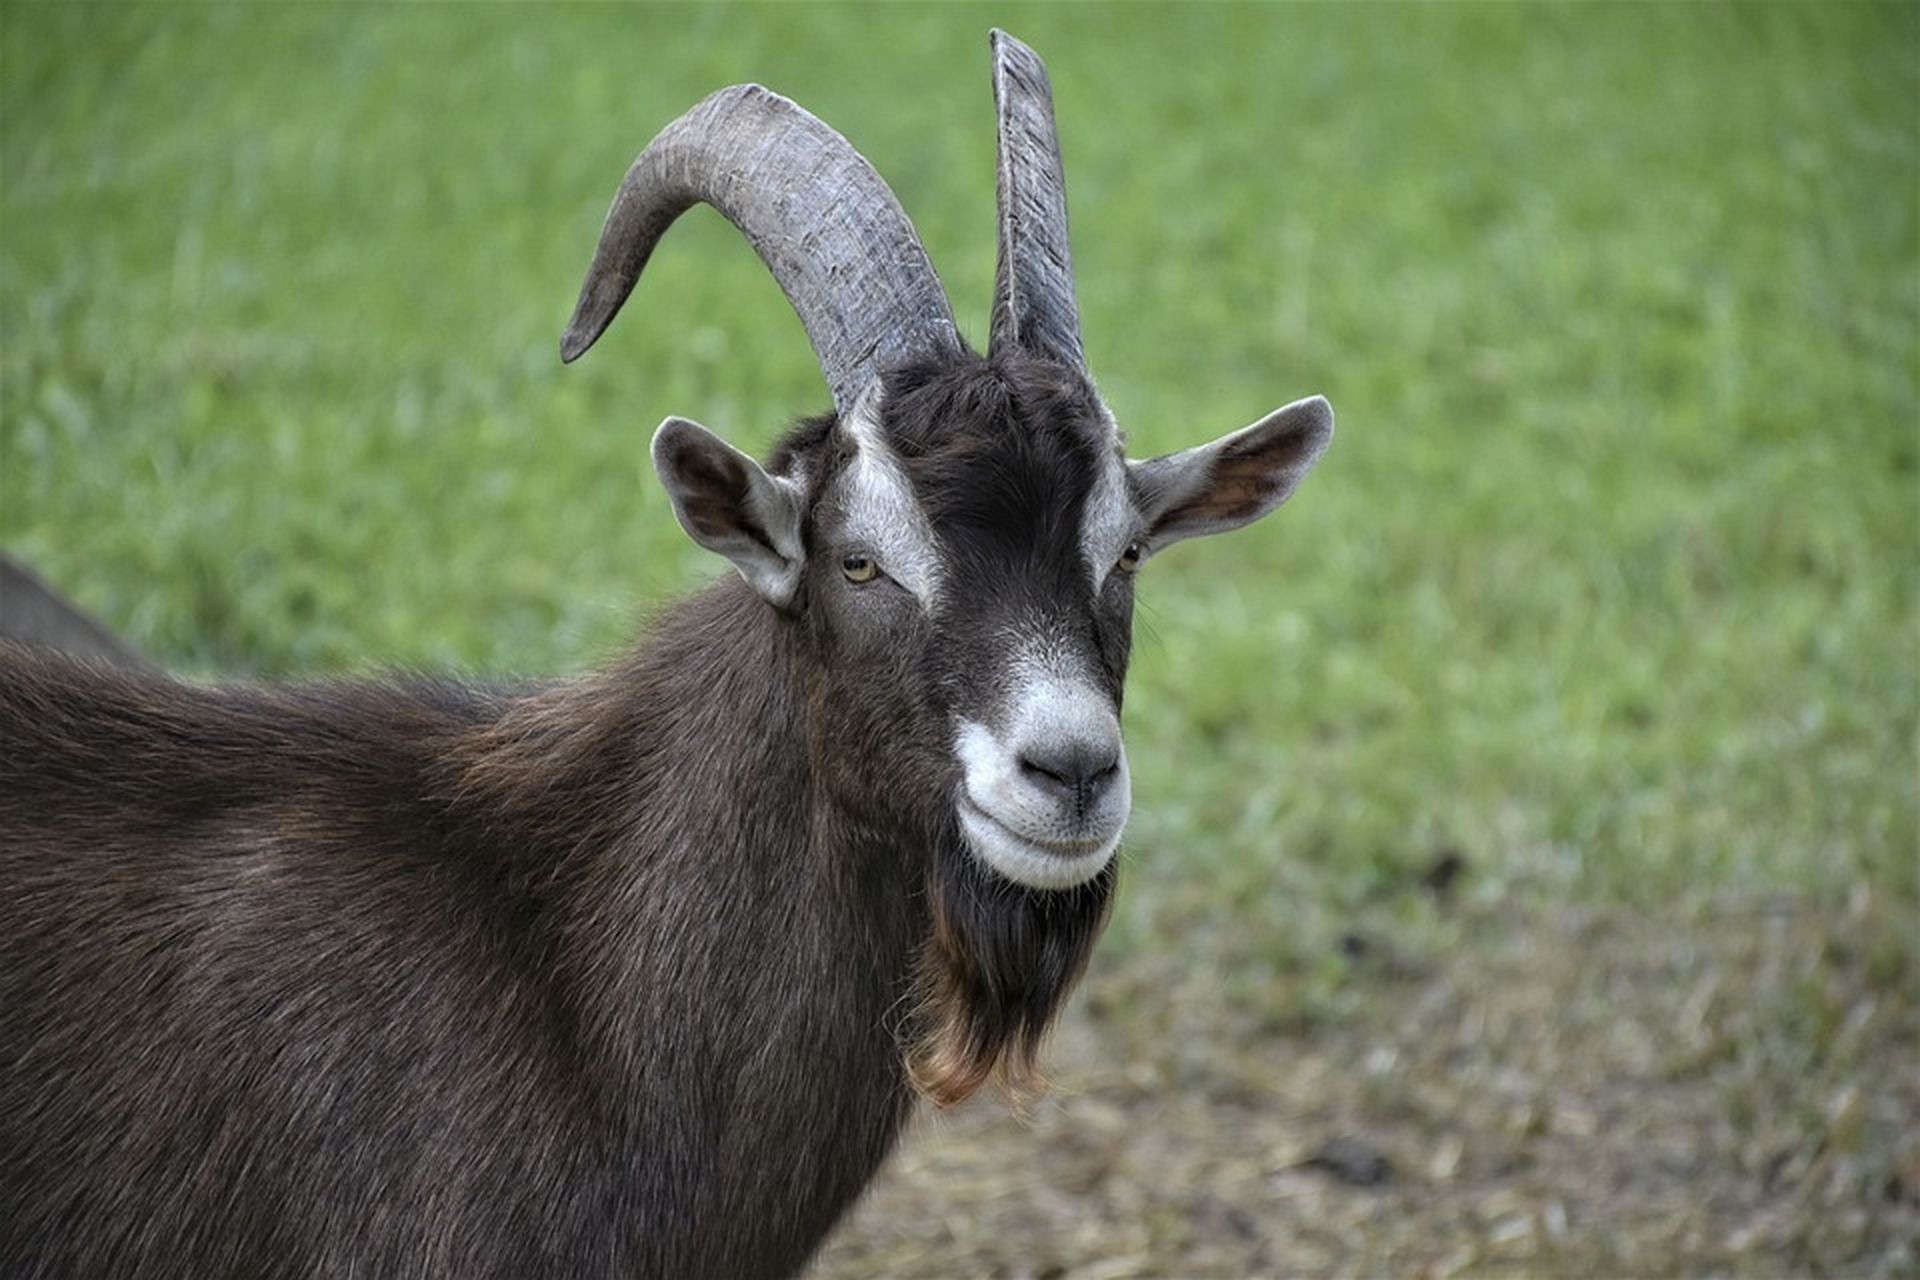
382, 980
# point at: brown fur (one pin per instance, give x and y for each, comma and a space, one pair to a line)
371, 980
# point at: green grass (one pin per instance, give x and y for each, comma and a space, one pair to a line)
1609, 579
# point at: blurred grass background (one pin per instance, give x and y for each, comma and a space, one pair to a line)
1608, 583
1614, 560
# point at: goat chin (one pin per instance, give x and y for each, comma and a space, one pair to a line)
1034, 863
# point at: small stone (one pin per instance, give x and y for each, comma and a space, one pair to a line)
1356, 1162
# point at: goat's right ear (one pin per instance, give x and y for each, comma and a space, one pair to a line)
729, 504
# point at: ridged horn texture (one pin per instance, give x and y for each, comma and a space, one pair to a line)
815, 211
1033, 305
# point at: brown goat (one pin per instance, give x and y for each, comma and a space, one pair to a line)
637, 974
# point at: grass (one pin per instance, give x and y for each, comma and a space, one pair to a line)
1608, 584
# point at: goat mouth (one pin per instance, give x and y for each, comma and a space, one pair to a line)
1035, 862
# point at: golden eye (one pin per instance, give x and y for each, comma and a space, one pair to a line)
859, 568
1130, 558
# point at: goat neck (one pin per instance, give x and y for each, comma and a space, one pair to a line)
749, 938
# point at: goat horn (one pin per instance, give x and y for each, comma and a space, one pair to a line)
815, 211
1033, 305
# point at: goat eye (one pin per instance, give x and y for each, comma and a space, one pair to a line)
859, 568
1130, 558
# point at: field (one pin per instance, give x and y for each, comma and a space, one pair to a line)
1525, 876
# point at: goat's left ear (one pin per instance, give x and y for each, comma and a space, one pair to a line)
729, 504
1236, 479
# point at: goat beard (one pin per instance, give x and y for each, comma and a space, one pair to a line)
998, 962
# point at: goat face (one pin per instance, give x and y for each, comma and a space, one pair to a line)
1008, 465
960, 552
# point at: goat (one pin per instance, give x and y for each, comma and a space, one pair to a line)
31, 612
638, 973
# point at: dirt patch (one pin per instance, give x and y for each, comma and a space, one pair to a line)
1728, 1087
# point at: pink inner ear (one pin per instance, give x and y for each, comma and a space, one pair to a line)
1239, 489
1240, 477
711, 516
1245, 483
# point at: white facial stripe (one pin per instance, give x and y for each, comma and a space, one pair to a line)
1109, 520
883, 518
1024, 825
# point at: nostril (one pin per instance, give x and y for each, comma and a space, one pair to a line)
1039, 773
1076, 771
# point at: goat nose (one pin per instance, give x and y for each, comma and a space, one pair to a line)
1076, 771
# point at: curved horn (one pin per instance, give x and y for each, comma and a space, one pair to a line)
816, 212
1033, 305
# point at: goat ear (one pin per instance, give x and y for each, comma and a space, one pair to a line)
728, 504
1236, 479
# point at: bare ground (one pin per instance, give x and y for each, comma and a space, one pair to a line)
1724, 1087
